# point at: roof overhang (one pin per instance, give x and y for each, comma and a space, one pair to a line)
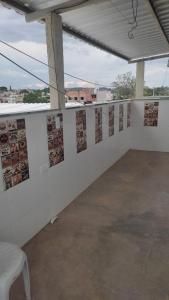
105, 24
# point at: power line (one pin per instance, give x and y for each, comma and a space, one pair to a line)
30, 73
49, 66
26, 54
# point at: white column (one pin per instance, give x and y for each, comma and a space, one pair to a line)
54, 39
140, 80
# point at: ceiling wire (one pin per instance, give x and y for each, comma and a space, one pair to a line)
49, 66
134, 22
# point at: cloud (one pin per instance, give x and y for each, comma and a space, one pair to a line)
80, 59
156, 73
13, 27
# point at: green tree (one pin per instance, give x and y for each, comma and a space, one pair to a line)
148, 91
156, 91
3, 89
124, 86
35, 97
161, 91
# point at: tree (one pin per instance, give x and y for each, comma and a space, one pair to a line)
24, 91
3, 89
148, 91
124, 86
161, 91
35, 97
156, 91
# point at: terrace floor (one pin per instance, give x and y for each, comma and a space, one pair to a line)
112, 242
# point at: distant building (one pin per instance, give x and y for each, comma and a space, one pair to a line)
11, 97
104, 94
81, 94
89, 95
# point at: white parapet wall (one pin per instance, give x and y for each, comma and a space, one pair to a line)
150, 138
28, 206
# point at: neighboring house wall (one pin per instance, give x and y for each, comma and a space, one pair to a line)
83, 94
102, 96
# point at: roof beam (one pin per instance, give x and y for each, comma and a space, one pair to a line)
146, 58
17, 6
60, 8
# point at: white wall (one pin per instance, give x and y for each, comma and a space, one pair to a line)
150, 138
28, 207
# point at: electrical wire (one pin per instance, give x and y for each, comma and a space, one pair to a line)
134, 11
35, 76
51, 67
30, 73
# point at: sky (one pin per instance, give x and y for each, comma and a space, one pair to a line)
80, 59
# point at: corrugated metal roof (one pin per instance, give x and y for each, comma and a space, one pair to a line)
106, 24
161, 8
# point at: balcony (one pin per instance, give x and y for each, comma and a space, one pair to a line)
85, 189
112, 240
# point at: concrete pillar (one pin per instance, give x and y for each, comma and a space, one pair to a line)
140, 79
54, 39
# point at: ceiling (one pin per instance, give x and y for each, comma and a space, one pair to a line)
106, 24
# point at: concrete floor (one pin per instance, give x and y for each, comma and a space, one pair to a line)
112, 242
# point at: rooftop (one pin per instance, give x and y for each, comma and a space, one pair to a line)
7, 108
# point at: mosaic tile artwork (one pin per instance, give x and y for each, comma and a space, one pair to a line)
128, 115
98, 125
151, 114
55, 139
111, 120
13, 152
81, 138
121, 116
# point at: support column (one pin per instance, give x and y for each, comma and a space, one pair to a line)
140, 79
54, 39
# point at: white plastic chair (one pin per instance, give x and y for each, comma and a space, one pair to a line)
13, 261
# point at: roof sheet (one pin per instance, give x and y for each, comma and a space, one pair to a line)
106, 24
